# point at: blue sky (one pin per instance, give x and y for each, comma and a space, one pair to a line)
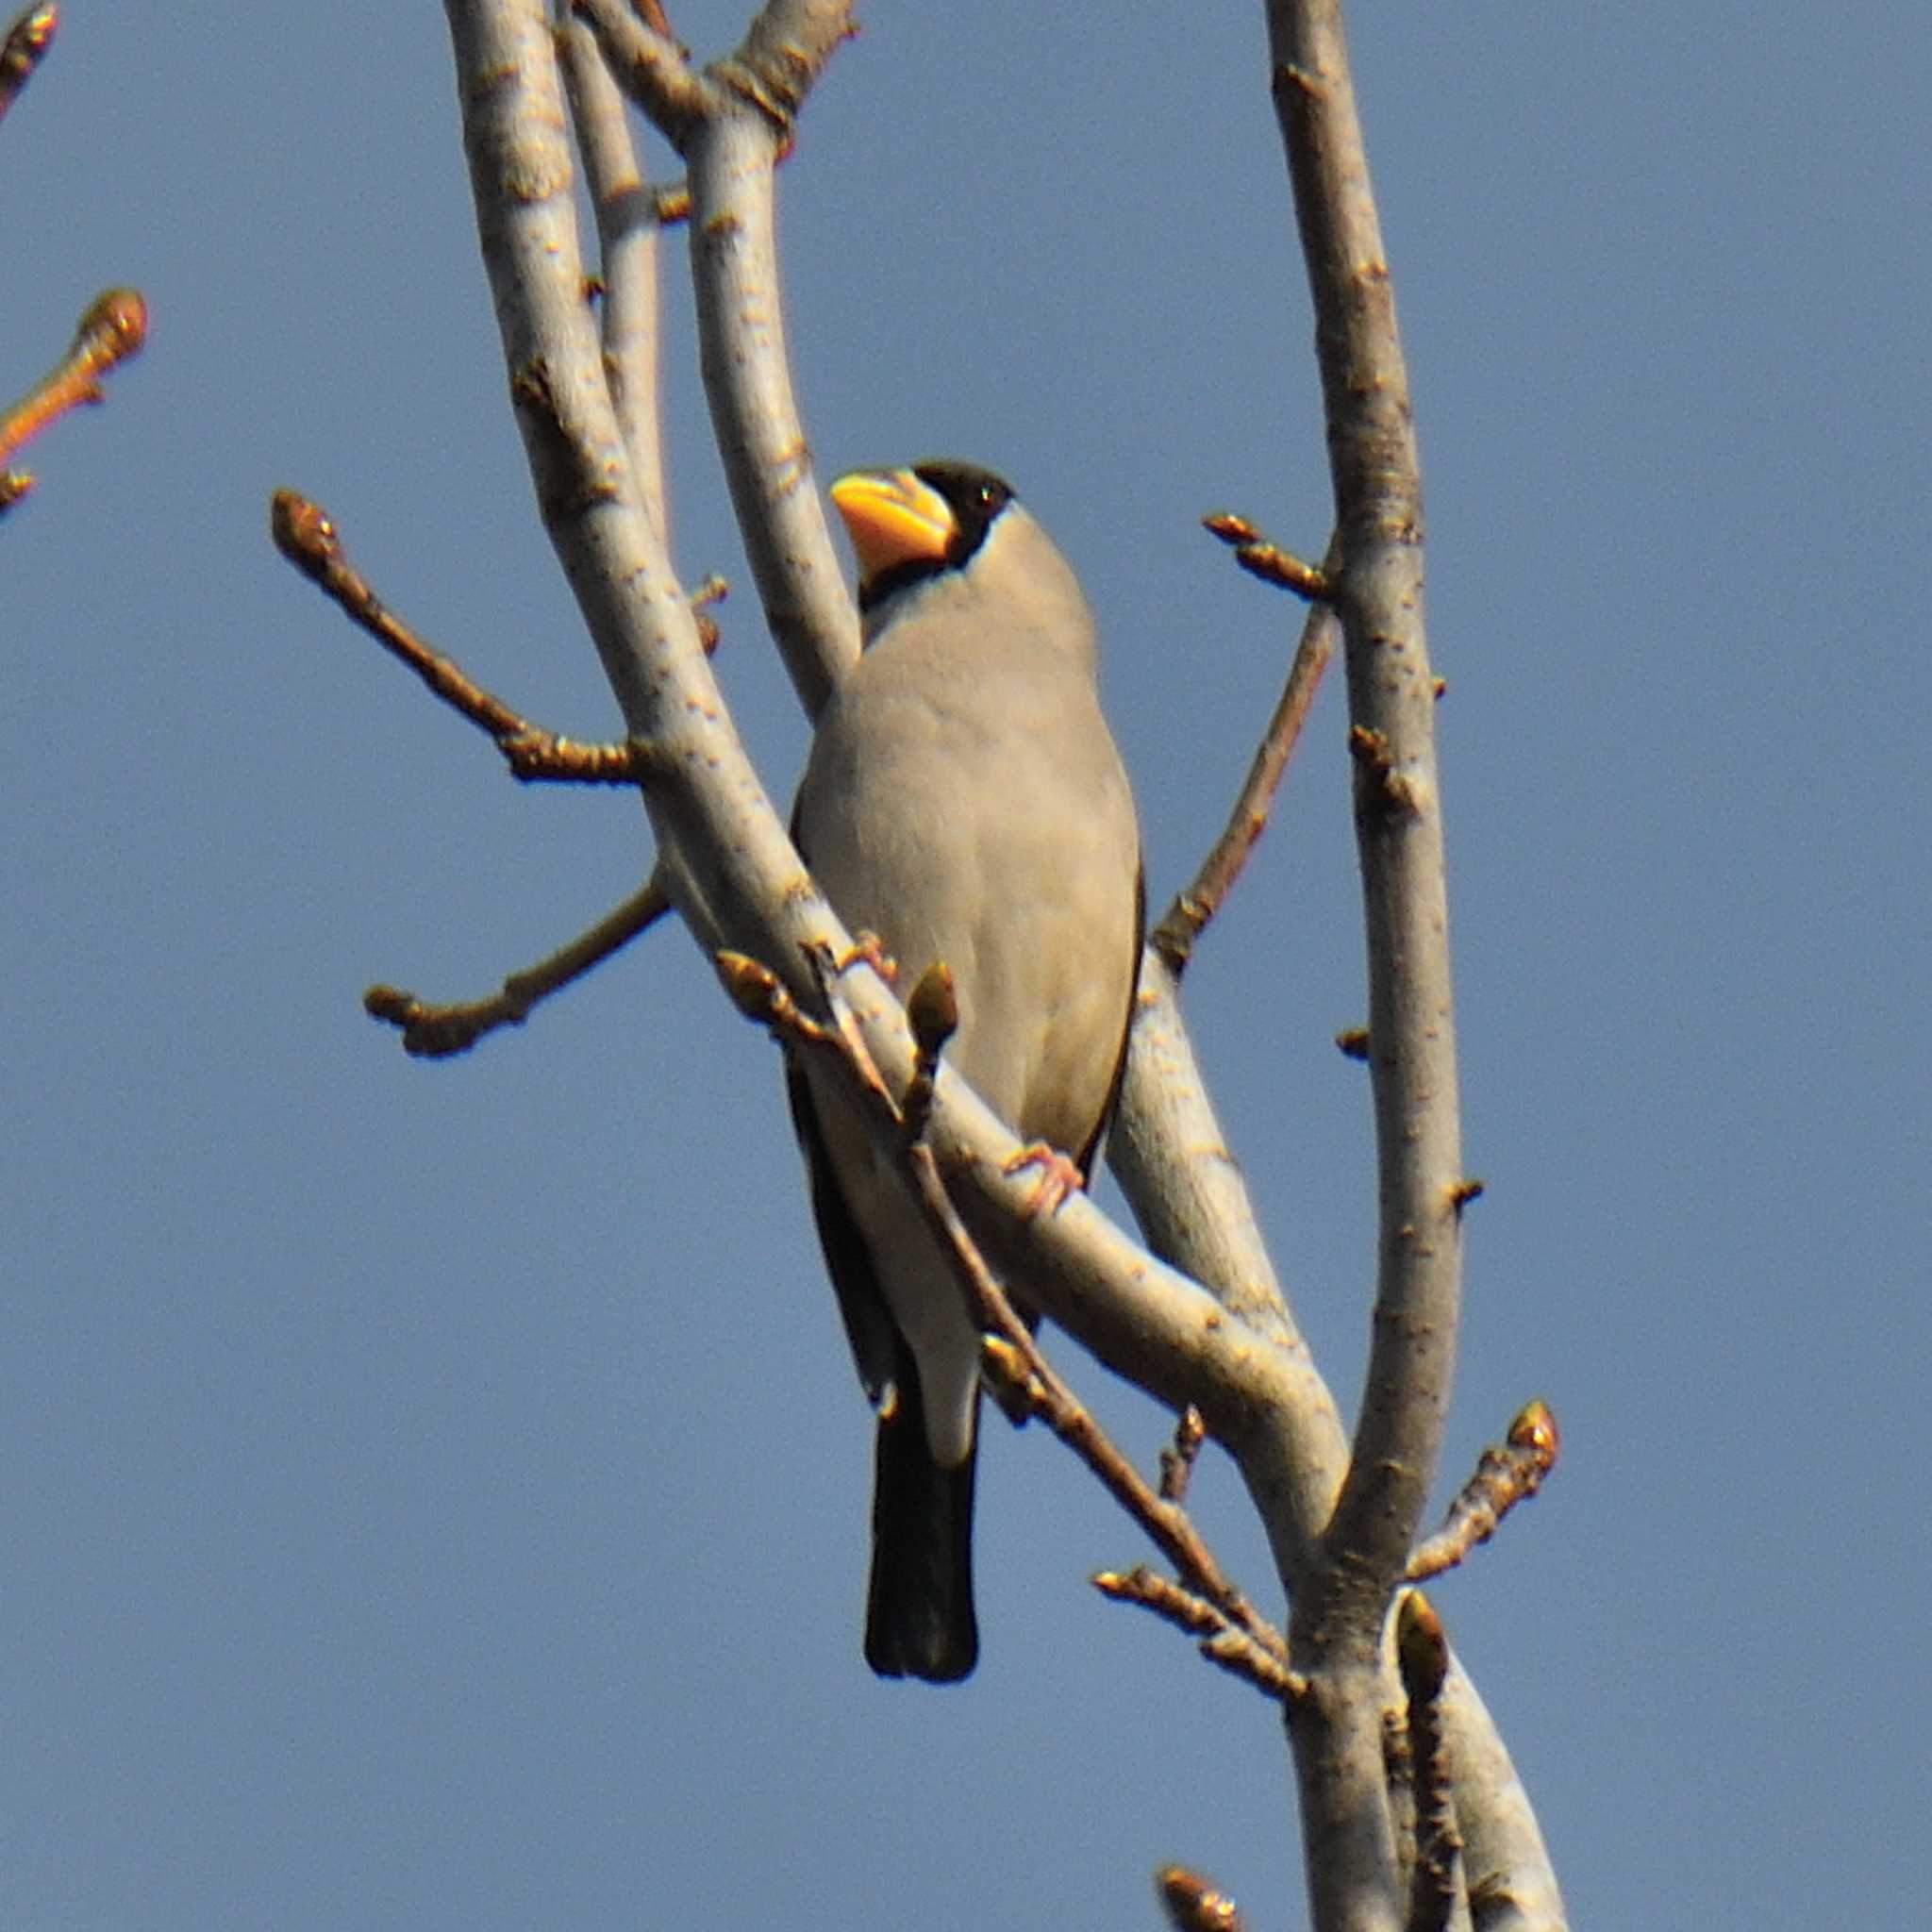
436, 1495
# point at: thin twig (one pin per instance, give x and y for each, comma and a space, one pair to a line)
1506, 1473
1235, 1651
1422, 1658
306, 535
111, 328
24, 49
1268, 561
1184, 921
437, 1031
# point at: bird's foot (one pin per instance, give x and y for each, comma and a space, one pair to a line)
1058, 1177
867, 947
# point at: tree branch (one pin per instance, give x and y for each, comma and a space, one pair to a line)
628, 221
1376, 587
739, 885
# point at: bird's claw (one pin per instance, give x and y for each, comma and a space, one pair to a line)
866, 946
1058, 1177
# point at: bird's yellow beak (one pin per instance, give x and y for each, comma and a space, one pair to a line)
893, 519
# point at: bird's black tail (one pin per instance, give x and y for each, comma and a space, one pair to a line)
918, 1617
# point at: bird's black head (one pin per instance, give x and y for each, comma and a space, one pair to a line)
975, 497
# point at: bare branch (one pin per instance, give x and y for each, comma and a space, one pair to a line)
732, 124
1191, 1199
24, 49
1377, 591
1377, 585
649, 66
741, 319
305, 534
436, 1032
1184, 921
111, 328
628, 220
1508, 1473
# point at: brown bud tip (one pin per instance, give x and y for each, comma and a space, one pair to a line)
1465, 1191
1353, 1042
932, 1008
302, 533
32, 34
1192, 1904
14, 484
390, 1003
1535, 1429
1420, 1648
1229, 528
113, 326
754, 989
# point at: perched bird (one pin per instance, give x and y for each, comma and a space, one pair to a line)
963, 801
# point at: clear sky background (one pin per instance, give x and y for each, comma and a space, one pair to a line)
436, 1496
